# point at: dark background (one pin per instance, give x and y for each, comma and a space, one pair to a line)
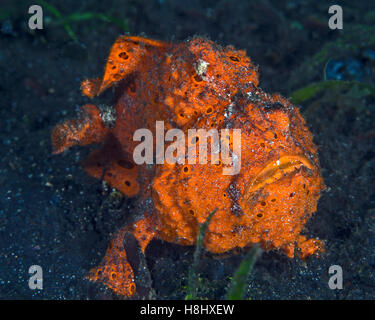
52, 214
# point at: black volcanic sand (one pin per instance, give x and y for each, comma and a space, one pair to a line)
53, 215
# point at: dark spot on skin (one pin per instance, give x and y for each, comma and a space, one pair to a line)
235, 196
233, 58
202, 95
132, 87
123, 55
197, 78
236, 210
132, 41
126, 164
195, 140
273, 106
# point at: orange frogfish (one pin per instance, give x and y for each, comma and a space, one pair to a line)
196, 84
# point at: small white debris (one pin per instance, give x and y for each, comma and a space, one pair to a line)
108, 115
201, 67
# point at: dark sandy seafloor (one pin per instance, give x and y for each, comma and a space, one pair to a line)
53, 215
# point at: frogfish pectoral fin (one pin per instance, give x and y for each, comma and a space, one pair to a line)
86, 130
114, 270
